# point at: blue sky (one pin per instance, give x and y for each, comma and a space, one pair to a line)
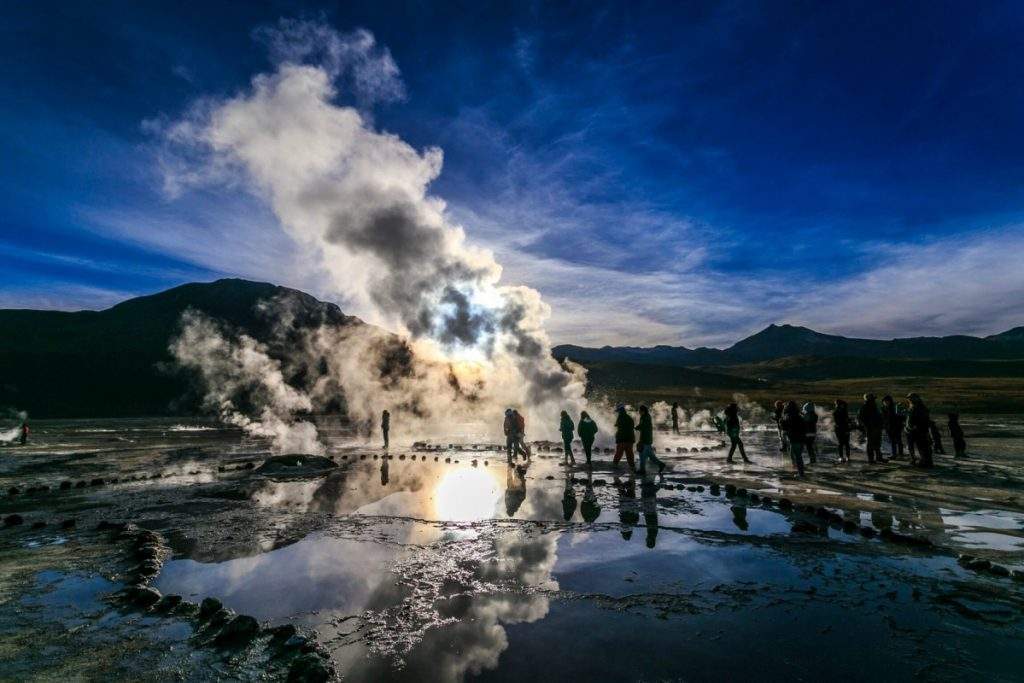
681, 175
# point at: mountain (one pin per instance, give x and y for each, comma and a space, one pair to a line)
785, 341
115, 362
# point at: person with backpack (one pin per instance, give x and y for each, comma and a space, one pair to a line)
587, 429
646, 442
566, 427
732, 429
869, 419
811, 433
918, 429
624, 428
796, 433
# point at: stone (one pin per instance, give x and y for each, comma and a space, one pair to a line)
98, 481
715, 490
148, 552
741, 492
65, 485
964, 559
38, 525
252, 465
600, 482
402, 456
849, 527
296, 463
785, 504
730, 490
802, 527
239, 630
13, 491
208, 607
308, 668
867, 532
296, 642
979, 565
80, 484
168, 603
144, 596
13, 520
999, 570
68, 524
281, 634
754, 498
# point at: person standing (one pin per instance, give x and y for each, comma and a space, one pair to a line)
779, 407
956, 433
509, 426
870, 421
841, 425
811, 433
918, 419
646, 442
675, 417
793, 425
624, 427
385, 426
892, 424
732, 428
587, 429
24, 432
520, 434
566, 427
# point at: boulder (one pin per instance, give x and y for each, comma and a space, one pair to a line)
13, 520
208, 607
168, 603
281, 634
308, 669
144, 596
65, 485
238, 631
68, 524
39, 525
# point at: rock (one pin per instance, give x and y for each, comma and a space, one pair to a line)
999, 570
112, 526
252, 465
741, 492
13, 491
822, 514
13, 520
715, 490
148, 552
448, 460
296, 642
98, 481
168, 603
65, 485
239, 630
208, 607
550, 476
979, 565
144, 596
281, 634
308, 669
754, 498
1017, 574
730, 490
80, 484
600, 482
68, 524
785, 504
296, 464
39, 525
964, 559
802, 527
700, 489
849, 527
867, 532
402, 456
219, 618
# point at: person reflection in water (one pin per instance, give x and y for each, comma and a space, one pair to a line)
589, 509
649, 504
628, 516
566, 427
568, 498
515, 488
384, 472
587, 429
385, 426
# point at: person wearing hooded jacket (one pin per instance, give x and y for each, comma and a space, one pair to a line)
869, 419
732, 429
796, 432
892, 424
646, 442
566, 427
918, 421
587, 429
624, 428
811, 432
841, 425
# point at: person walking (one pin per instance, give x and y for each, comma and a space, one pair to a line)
779, 407
24, 432
811, 432
892, 425
646, 442
956, 433
624, 427
796, 432
520, 434
675, 417
509, 426
841, 425
870, 421
566, 427
385, 426
587, 429
918, 419
732, 428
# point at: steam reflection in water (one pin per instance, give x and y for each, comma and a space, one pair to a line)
466, 495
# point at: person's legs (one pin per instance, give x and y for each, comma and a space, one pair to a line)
620, 448
588, 447
796, 455
812, 452
629, 456
644, 454
385, 438
567, 449
654, 458
510, 443
739, 443
924, 450
732, 448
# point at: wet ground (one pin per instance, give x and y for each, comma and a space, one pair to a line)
447, 565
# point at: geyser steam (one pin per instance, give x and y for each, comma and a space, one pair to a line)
357, 199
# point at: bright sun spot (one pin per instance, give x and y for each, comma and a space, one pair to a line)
466, 495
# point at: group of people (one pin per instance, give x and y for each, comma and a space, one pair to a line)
798, 430
627, 433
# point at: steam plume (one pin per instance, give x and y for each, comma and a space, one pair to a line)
357, 199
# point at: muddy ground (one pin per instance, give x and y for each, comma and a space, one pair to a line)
451, 565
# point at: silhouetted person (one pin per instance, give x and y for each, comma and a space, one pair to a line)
385, 426
649, 505
520, 434
624, 428
566, 427
870, 420
589, 509
841, 425
779, 407
933, 431
628, 516
24, 433
793, 426
509, 427
810, 431
587, 429
568, 499
918, 419
956, 433
646, 442
675, 417
892, 424
732, 428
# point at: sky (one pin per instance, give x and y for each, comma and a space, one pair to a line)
661, 174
